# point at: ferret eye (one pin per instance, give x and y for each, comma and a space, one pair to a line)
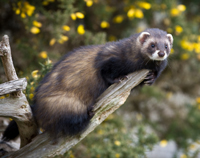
152, 45
166, 47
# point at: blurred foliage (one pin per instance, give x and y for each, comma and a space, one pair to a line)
47, 29
113, 140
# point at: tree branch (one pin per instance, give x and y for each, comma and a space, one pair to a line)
5, 53
108, 102
13, 86
16, 106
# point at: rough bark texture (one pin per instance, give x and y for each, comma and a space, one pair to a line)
6, 57
109, 101
16, 106
13, 86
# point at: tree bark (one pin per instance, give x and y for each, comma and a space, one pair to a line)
13, 86
6, 57
16, 106
108, 102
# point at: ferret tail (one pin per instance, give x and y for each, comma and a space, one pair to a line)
11, 132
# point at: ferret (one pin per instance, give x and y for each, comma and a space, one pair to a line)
64, 99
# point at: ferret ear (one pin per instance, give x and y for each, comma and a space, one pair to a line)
170, 37
143, 36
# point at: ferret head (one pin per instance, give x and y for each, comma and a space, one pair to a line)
155, 44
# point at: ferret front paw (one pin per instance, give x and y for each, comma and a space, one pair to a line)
150, 78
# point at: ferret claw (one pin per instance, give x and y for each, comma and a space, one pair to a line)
149, 82
149, 77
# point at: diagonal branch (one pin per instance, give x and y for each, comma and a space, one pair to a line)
108, 102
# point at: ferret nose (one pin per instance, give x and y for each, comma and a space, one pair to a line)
161, 54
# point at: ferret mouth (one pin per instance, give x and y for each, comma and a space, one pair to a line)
158, 55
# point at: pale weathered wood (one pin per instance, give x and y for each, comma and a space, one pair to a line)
109, 101
16, 106
19, 110
6, 58
13, 86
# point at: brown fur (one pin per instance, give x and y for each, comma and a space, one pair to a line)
64, 99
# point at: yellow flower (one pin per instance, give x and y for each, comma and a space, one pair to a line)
52, 41
35, 30
118, 19
73, 16
104, 24
198, 100
79, 15
89, 3
183, 156
172, 51
178, 29
117, 155
43, 54
2, 97
174, 12
61, 41
31, 96
71, 156
181, 7
144, 5
139, 13
32, 89
118, 143
29, 9
163, 143
17, 11
185, 56
196, 47
35, 74
81, 29
37, 24
23, 15
131, 13
66, 28
64, 38
186, 45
